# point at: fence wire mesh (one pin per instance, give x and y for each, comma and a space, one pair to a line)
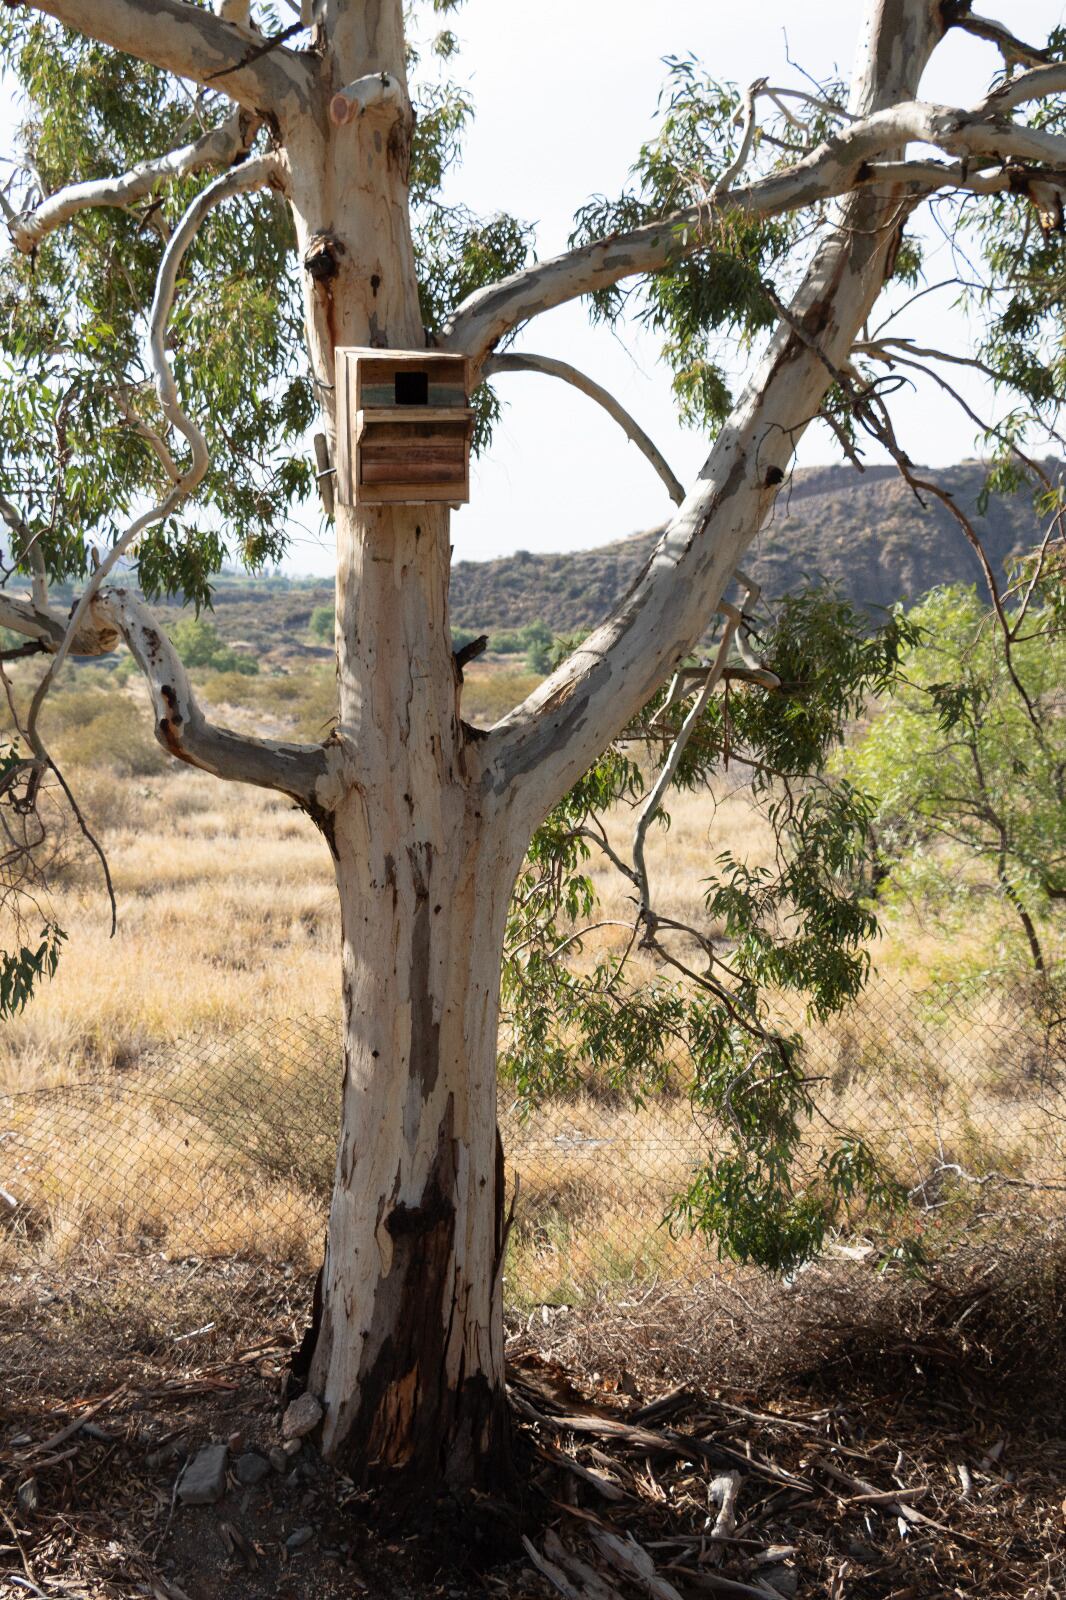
224, 1148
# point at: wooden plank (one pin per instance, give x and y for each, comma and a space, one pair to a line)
413, 416
417, 473
346, 423
423, 494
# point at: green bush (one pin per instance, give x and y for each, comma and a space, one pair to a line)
102, 727
199, 645
322, 624
534, 641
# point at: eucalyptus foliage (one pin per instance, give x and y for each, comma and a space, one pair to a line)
717, 1030
718, 291
74, 379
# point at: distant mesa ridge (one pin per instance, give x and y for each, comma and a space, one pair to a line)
865, 532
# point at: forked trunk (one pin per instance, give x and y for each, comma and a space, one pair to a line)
429, 823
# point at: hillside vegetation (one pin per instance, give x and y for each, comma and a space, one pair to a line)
866, 532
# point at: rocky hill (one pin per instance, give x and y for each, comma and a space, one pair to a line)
865, 532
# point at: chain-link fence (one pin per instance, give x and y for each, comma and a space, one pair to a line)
224, 1148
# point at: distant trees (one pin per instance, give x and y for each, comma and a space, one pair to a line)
966, 761
322, 624
534, 641
199, 645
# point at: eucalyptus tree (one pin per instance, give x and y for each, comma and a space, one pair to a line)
209, 207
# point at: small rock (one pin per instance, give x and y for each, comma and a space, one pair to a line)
235, 1441
251, 1468
784, 1579
27, 1496
278, 1459
204, 1479
291, 1447
298, 1538
301, 1418
93, 1430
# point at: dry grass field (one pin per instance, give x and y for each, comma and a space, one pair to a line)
228, 925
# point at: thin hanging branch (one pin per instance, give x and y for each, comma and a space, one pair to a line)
552, 367
252, 175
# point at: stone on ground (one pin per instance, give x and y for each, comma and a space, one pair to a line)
301, 1418
204, 1479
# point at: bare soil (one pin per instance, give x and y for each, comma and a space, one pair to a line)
892, 1439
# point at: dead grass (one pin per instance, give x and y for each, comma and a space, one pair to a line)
228, 913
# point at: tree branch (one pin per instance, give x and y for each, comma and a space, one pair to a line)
180, 724
541, 749
252, 175
859, 156
550, 367
219, 148
113, 616
1015, 52
193, 43
711, 677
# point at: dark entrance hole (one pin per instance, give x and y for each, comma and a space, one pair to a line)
412, 388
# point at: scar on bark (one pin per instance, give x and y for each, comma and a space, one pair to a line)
322, 256
169, 725
323, 818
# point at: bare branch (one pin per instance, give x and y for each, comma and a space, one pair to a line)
22, 616
1016, 91
1015, 52
669, 767
252, 175
747, 138
860, 156
553, 368
193, 43
219, 148
180, 724
114, 616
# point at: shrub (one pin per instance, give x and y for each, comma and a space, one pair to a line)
199, 645
322, 624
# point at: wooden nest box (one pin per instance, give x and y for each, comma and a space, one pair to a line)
403, 427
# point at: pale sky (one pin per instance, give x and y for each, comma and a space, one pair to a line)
565, 93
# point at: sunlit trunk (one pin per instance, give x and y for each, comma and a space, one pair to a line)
408, 1351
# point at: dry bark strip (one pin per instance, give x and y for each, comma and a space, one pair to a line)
634, 1562
675, 1444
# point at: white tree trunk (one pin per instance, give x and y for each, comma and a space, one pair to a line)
408, 1348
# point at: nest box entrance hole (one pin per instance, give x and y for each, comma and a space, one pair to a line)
412, 388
